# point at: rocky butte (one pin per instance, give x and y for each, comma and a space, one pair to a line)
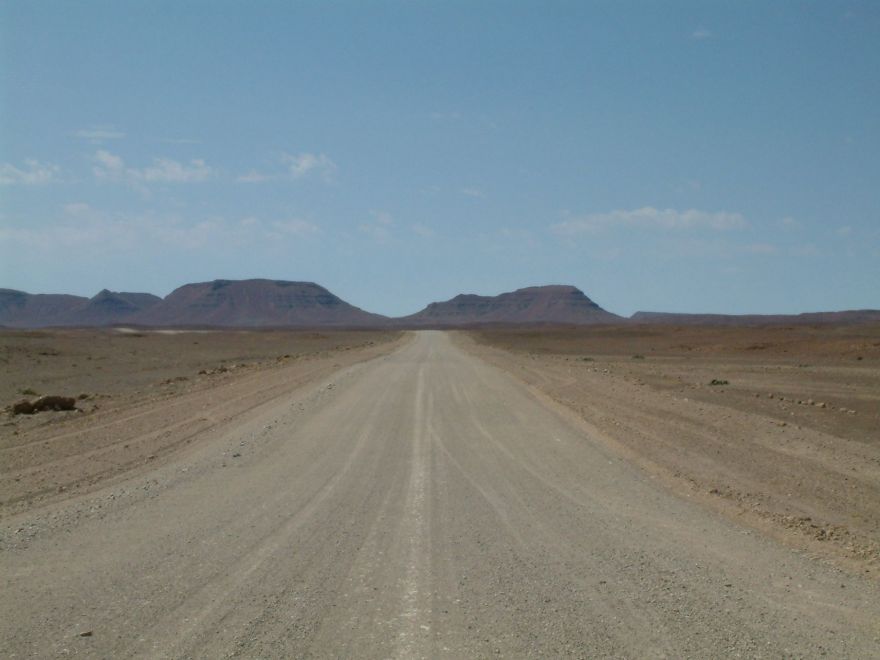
536, 304
255, 303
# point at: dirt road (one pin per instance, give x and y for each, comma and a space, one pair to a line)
421, 504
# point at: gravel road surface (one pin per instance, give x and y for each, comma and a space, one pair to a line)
421, 504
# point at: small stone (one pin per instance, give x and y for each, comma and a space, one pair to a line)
86, 633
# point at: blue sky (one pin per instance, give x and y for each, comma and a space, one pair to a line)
678, 156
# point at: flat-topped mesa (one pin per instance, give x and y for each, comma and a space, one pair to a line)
255, 303
536, 304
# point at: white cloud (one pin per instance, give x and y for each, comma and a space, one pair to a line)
253, 177
93, 233
98, 134
473, 192
701, 34
299, 165
789, 222
32, 173
166, 170
295, 227
844, 231
110, 167
650, 218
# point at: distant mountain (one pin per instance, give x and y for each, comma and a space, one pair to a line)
255, 303
25, 310
260, 303
537, 304
109, 307
669, 318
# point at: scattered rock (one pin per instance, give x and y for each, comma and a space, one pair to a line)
716, 381
86, 633
210, 372
55, 403
25, 407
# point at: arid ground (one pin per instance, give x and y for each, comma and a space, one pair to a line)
543, 493
141, 395
788, 437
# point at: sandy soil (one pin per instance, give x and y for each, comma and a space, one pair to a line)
142, 396
789, 444
420, 504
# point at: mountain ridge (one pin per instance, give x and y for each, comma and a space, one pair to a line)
265, 303
552, 303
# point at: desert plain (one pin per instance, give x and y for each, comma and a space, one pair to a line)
627, 491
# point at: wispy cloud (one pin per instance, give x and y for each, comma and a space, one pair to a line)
171, 171
473, 192
99, 134
94, 233
701, 34
31, 173
380, 227
168, 140
299, 165
789, 222
110, 167
253, 177
649, 217
295, 227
